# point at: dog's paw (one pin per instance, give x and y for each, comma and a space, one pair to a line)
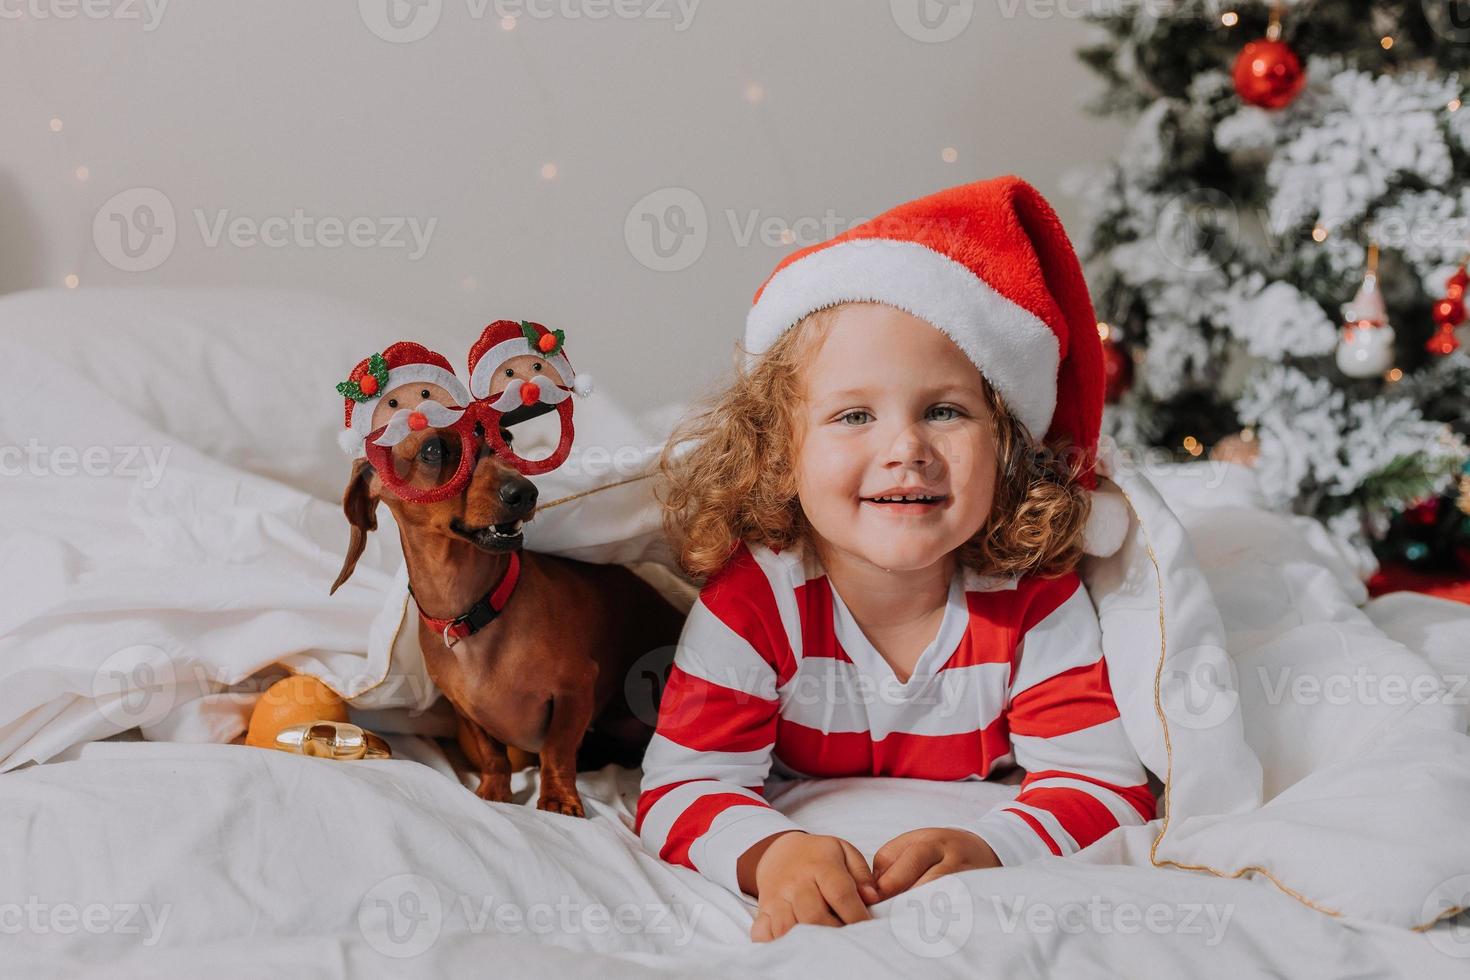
494, 790
569, 805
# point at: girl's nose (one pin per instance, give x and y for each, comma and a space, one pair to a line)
910, 447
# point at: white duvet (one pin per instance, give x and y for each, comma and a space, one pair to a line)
155, 598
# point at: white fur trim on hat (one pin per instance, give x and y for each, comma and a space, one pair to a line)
352, 437
1015, 350
491, 360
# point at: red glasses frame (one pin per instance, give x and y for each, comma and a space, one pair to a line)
479, 425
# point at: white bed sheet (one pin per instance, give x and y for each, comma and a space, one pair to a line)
266, 862
223, 860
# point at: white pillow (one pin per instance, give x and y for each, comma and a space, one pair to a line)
1377, 836
249, 376
1175, 687
244, 376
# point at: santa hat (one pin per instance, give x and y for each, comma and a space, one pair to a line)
504, 339
990, 265
403, 363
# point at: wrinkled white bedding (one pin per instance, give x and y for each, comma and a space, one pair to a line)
154, 597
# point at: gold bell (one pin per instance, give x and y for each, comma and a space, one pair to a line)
332, 740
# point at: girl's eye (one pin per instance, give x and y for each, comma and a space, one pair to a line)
953, 413
392, 403
510, 372
855, 417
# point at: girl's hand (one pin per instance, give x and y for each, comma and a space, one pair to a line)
810, 878
922, 855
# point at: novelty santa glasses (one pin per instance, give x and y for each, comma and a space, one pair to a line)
422, 429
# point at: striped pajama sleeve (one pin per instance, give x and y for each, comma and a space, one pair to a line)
701, 803
1083, 776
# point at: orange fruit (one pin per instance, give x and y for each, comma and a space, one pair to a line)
294, 701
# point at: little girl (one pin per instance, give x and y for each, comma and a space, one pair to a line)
888, 555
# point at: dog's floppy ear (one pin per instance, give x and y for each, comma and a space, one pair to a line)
360, 504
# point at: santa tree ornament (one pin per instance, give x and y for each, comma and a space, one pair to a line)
520, 370
1366, 345
404, 388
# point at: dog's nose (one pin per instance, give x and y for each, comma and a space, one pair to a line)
518, 494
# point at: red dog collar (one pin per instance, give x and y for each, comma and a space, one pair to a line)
482, 613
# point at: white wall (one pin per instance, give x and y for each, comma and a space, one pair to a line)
765, 112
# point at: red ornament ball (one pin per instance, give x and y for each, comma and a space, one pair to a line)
546, 342
530, 395
368, 384
1117, 371
1449, 310
1269, 74
1422, 513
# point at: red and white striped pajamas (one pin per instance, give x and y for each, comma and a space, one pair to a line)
773, 673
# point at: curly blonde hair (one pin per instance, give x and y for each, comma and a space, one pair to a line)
730, 476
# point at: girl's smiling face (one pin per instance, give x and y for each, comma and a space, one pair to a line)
893, 408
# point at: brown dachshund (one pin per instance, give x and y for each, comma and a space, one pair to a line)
542, 663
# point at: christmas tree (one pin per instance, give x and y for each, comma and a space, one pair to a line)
1277, 254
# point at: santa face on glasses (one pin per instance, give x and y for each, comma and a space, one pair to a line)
526, 381
518, 370
404, 389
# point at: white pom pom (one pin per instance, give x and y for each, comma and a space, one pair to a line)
1108, 524
583, 385
350, 442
